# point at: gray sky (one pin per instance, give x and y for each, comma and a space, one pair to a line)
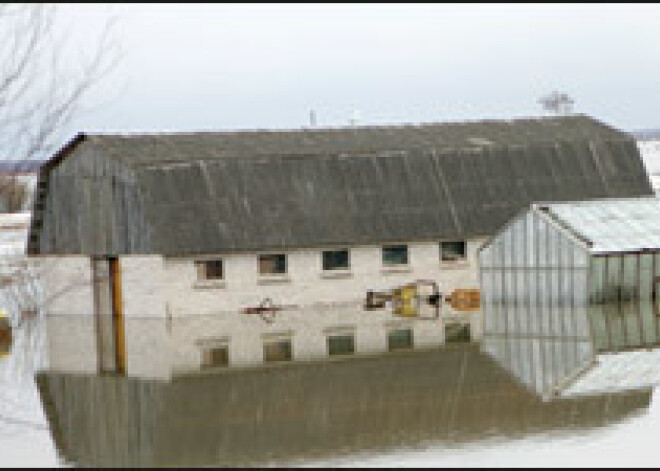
191, 67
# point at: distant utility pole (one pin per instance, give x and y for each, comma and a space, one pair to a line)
312, 118
355, 118
557, 103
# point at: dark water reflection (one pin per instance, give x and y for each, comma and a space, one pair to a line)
307, 413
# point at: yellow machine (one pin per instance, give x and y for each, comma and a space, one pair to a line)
5, 335
405, 301
420, 298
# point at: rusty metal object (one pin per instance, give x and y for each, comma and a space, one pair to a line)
376, 300
118, 315
5, 336
465, 300
266, 309
6, 280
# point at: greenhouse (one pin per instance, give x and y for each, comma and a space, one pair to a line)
565, 285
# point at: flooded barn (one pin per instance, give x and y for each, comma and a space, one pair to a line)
297, 244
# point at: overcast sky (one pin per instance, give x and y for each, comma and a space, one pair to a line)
191, 67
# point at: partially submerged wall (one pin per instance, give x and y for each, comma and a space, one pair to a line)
169, 311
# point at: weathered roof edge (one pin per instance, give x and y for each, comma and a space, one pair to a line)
63, 152
360, 127
82, 136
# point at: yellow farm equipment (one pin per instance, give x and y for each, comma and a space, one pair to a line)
410, 300
420, 297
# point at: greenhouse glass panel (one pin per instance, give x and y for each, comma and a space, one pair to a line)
532, 294
543, 312
613, 315
519, 243
542, 243
656, 296
580, 302
630, 301
645, 298
508, 249
496, 314
530, 238
509, 306
555, 310
553, 241
486, 280
597, 304
566, 292
522, 300
537, 364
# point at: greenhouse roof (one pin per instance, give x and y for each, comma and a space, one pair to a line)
610, 225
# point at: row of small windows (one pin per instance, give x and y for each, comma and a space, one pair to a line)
276, 264
281, 350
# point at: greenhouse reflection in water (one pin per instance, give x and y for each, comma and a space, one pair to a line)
297, 411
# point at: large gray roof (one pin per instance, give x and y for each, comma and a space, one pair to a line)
157, 149
213, 192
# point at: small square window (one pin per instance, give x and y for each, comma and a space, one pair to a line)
336, 259
214, 357
457, 333
453, 251
279, 350
272, 264
341, 344
399, 339
395, 255
209, 270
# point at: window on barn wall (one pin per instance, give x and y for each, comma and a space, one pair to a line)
215, 356
272, 264
395, 255
277, 350
456, 332
399, 339
343, 344
336, 259
453, 251
209, 270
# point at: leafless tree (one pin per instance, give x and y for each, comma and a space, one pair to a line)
14, 194
40, 93
557, 103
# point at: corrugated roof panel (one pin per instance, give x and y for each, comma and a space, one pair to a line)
256, 190
613, 225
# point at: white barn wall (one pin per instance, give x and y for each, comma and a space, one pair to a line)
167, 311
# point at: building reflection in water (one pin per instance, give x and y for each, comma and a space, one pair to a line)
298, 411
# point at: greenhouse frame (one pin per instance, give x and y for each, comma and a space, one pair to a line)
565, 283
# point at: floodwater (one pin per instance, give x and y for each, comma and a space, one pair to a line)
445, 407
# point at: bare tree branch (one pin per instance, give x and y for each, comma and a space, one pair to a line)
39, 92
